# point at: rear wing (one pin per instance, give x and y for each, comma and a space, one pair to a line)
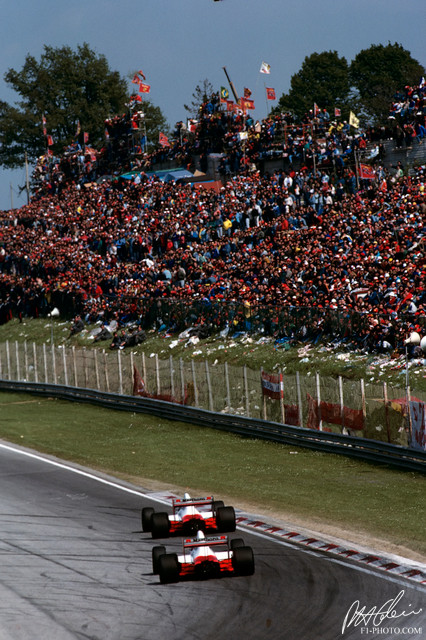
213, 541
192, 502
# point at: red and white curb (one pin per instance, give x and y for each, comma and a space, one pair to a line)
416, 573
395, 565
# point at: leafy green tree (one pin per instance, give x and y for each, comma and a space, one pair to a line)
378, 72
66, 87
323, 80
203, 92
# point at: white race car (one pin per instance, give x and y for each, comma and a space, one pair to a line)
189, 516
203, 558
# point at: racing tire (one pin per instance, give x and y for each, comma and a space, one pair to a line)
168, 568
218, 504
243, 561
225, 519
236, 543
157, 552
147, 513
160, 525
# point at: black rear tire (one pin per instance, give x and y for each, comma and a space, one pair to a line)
147, 513
160, 525
243, 561
225, 519
157, 552
236, 543
168, 568
217, 504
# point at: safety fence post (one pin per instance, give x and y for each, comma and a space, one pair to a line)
246, 391
194, 382
35, 362
319, 400
299, 399
209, 387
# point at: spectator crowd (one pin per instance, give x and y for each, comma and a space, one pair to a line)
310, 235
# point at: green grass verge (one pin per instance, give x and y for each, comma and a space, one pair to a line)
380, 502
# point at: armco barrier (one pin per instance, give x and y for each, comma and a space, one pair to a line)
361, 448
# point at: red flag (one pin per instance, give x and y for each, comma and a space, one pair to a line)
270, 93
366, 172
136, 79
247, 104
163, 140
135, 98
85, 137
49, 141
142, 75
230, 105
144, 88
337, 112
247, 92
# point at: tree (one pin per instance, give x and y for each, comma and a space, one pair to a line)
203, 93
379, 72
323, 80
65, 87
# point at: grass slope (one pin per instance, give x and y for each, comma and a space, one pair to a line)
254, 351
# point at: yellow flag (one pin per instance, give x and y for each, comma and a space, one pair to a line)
353, 120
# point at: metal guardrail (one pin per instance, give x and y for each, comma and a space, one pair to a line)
361, 448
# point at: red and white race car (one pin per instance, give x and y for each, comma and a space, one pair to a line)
189, 516
203, 558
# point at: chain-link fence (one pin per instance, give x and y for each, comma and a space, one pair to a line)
375, 411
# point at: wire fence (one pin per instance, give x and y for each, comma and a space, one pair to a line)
375, 411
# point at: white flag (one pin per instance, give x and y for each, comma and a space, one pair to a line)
265, 68
353, 120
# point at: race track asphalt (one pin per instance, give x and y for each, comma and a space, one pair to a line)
75, 564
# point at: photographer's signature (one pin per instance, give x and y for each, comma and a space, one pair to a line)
357, 615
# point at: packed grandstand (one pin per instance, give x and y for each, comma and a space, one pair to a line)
326, 243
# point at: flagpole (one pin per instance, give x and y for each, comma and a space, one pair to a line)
356, 169
27, 183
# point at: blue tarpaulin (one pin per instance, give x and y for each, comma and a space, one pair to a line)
166, 175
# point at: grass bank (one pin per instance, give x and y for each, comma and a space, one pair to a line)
326, 492
255, 351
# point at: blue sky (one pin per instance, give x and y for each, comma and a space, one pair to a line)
179, 43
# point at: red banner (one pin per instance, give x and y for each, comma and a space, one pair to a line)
366, 172
163, 140
272, 385
333, 414
270, 93
139, 389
